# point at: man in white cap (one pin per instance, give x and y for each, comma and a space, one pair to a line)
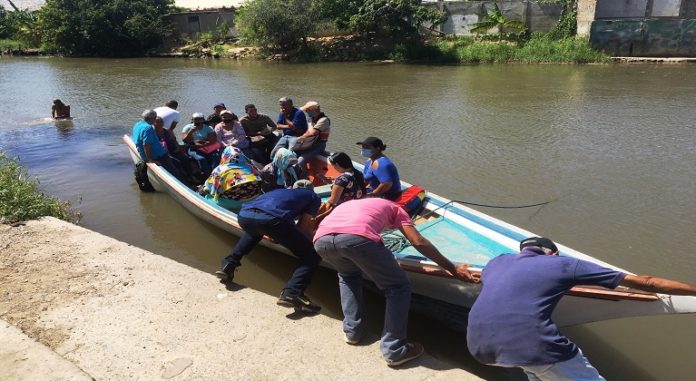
319, 129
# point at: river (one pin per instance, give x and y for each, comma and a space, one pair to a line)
613, 145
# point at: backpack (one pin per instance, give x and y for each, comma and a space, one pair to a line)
140, 172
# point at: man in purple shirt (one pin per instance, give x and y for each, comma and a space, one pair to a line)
292, 121
510, 323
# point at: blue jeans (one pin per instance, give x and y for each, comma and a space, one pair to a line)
285, 141
206, 162
256, 224
353, 256
577, 368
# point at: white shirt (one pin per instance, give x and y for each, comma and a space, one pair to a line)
169, 115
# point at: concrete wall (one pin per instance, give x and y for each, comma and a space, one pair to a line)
461, 15
195, 22
645, 38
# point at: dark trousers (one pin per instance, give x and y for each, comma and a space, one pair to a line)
256, 224
167, 164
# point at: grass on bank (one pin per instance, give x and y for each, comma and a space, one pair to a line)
21, 198
11, 45
538, 49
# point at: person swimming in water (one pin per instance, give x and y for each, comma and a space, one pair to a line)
60, 110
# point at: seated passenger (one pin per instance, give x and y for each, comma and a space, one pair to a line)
60, 110
381, 176
186, 165
319, 129
281, 172
292, 121
202, 142
350, 184
233, 182
259, 129
230, 133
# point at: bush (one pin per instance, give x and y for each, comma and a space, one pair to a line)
103, 27
21, 199
276, 25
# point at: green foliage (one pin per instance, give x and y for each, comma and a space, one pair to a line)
567, 25
276, 25
21, 198
19, 26
545, 48
338, 12
7, 44
538, 49
103, 27
398, 19
495, 19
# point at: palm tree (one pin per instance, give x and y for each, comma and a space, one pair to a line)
495, 19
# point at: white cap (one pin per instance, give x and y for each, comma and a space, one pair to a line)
197, 115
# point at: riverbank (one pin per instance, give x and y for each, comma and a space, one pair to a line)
452, 50
22, 199
118, 312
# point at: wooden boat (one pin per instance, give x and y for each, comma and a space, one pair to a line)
463, 235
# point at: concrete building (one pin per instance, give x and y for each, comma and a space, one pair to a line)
194, 22
644, 28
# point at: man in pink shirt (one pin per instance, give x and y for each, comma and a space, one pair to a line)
349, 239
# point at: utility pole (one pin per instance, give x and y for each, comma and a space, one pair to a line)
13, 6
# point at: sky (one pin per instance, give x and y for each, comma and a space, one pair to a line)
191, 4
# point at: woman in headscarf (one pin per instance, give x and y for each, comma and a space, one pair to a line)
233, 182
281, 173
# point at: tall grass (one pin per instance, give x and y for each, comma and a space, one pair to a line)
21, 198
538, 49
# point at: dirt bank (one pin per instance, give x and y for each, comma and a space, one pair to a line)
118, 312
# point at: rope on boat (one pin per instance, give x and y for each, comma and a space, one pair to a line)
506, 207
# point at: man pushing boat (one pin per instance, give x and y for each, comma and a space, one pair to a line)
273, 214
510, 323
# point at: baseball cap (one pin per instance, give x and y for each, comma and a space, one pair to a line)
309, 104
219, 104
226, 112
372, 142
303, 184
542, 242
197, 115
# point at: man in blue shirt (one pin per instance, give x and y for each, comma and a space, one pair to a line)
148, 144
510, 323
273, 214
292, 121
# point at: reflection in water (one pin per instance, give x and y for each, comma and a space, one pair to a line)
613, 143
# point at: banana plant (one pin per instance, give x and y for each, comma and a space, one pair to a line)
495, 19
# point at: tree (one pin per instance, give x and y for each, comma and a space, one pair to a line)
18, 25
103, 27
399, 19
337, 11
495, 19
276, 25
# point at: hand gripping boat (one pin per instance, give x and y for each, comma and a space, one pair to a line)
461, 234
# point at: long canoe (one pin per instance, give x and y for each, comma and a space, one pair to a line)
463, 235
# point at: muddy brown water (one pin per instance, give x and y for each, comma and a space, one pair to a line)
613, 145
